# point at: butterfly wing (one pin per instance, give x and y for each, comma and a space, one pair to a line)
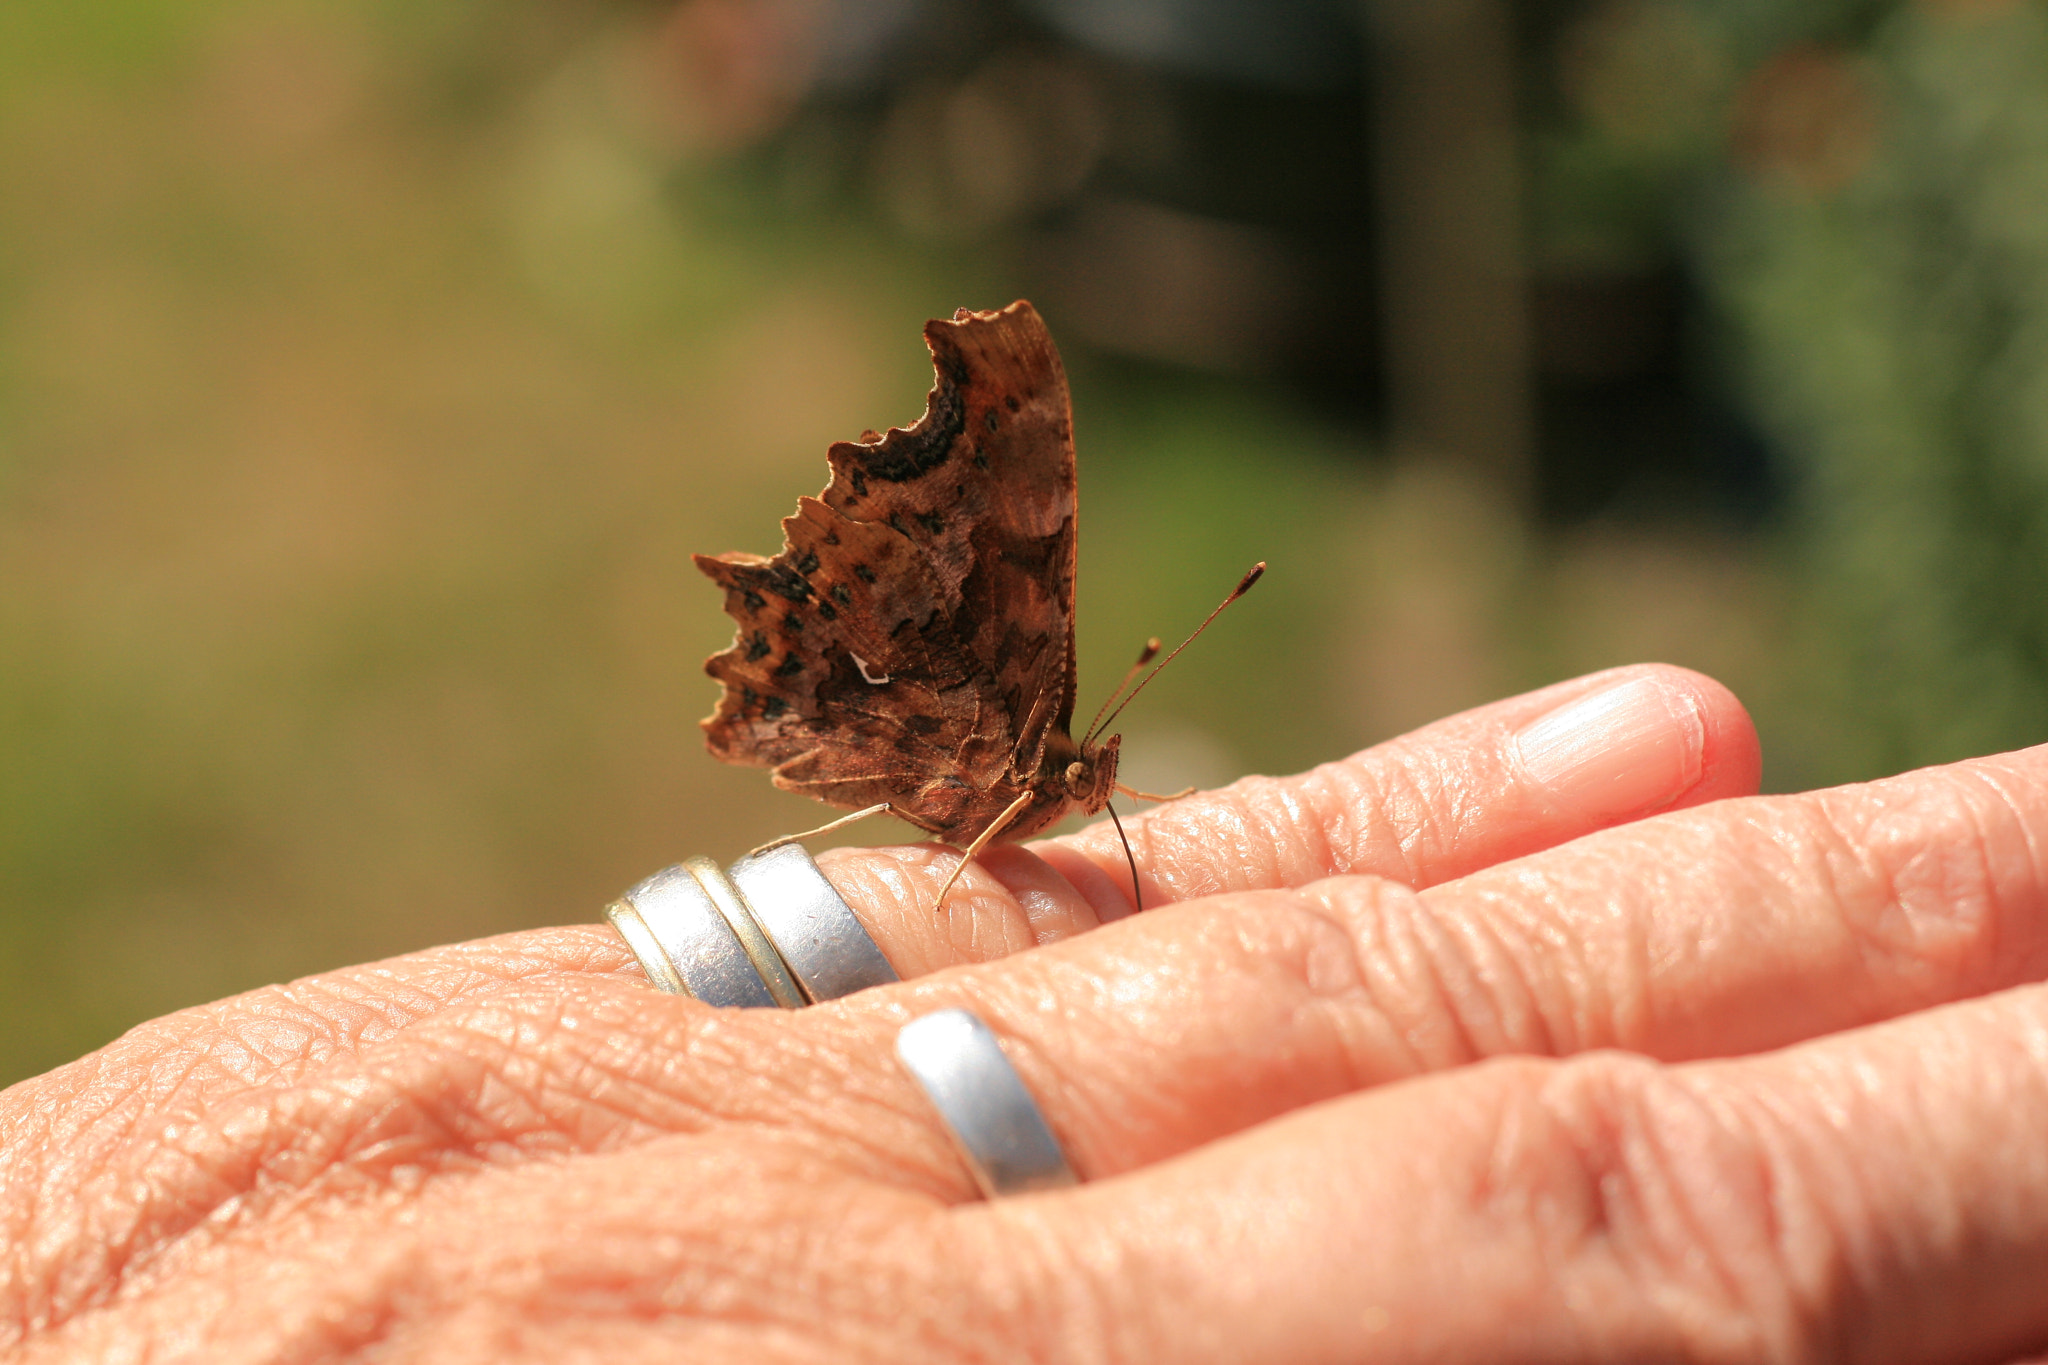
913, 641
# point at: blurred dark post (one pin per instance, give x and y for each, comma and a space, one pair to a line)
1452, 283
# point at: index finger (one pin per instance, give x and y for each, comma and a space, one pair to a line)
1497, 782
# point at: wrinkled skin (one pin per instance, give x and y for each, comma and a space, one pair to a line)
1508, 1040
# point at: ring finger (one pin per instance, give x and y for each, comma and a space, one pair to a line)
1743, 927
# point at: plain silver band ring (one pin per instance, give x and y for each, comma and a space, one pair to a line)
825, 945
981, 1099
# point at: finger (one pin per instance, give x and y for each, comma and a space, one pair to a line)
1494, 783
1874, 1196
1487, 785
1757, 923
1742, 926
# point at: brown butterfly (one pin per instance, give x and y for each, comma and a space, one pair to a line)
913, 643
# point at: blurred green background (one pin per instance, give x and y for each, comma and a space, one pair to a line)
368, 372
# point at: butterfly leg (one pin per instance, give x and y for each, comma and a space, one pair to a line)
825, 828
1137, 795
981, 842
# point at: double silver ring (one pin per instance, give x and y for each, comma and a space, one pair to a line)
767, 931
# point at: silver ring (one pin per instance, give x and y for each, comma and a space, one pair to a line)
768, 931
695, 947
981, 1099
738, 914
828, 951
647, 950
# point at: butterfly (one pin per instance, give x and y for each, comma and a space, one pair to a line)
913, 642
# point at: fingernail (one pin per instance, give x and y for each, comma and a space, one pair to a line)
1625, 749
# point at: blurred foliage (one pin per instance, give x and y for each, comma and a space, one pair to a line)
1860, 191
365, 381
369, 371
1888, 282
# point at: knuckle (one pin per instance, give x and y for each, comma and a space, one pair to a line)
1926, 871
1417, 993
1655, 1187
1333, 934
1243, 836
1386, 818
1459, 981
1337, 819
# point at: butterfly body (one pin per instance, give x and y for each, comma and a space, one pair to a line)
913, 642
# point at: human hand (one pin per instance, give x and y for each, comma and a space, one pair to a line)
1347, 1098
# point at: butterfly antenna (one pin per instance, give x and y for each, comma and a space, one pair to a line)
1145, 656
1137, 896
1244, 586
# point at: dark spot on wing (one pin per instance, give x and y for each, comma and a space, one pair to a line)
757, 648
931, 521
773, 707
921, 724
807, 562
753, 600
841, 595
863, 573
828, 611
1010, 402
993, 422
791, 664
786, 583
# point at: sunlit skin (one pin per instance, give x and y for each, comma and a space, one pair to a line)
1532, 1035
